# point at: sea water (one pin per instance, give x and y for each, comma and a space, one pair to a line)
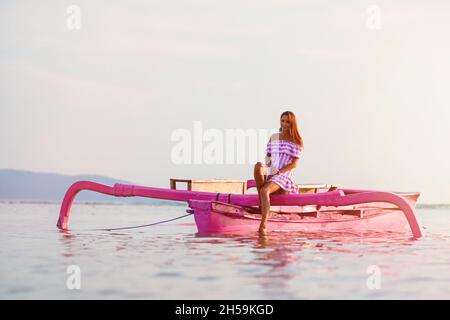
171, 261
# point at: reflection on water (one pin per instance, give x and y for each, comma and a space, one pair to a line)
277, 250
173, 261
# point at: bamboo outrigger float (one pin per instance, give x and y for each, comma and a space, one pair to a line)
326, 209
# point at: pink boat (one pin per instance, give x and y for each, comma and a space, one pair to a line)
325, 210
219, 217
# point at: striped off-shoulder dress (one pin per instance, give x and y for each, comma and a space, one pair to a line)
281, 153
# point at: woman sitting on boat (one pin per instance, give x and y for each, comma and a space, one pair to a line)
276, 175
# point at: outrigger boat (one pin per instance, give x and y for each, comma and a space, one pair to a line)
315, 208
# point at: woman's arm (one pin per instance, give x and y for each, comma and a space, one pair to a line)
268, 160
268, 157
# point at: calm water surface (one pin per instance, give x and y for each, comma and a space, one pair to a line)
171, 261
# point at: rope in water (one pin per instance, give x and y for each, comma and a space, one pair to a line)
147, 225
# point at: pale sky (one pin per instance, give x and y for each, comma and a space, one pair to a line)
372, 104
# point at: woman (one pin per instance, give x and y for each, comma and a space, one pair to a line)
282, 154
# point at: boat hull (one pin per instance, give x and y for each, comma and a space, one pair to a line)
219, 217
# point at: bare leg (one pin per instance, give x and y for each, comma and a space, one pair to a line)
258, 174
264, 198
281, 191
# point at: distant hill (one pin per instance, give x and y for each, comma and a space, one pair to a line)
39, 186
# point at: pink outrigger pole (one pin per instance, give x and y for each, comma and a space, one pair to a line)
337, 198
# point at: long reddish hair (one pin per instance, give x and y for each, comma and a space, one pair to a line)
293, 130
